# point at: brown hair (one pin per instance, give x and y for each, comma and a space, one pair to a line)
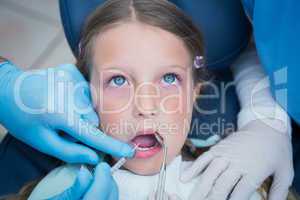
158, 13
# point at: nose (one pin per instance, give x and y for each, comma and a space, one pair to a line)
146, 101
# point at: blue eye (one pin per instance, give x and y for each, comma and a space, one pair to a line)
117, 81
170, 78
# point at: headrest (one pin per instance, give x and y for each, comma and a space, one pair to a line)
224, 25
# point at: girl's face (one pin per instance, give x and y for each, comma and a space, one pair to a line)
141, 84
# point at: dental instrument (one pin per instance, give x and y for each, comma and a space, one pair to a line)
116, 166
160, 189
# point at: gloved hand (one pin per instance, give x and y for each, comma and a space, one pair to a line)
102, 186
37, 105
243, 161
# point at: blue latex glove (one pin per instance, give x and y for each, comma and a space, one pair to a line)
101, 186
24, 93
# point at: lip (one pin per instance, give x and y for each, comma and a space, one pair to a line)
146, 152
145, 132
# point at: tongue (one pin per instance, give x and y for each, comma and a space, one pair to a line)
144, 141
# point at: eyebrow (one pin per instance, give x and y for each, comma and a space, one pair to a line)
115, 67
130, 73
127, 68
175, 66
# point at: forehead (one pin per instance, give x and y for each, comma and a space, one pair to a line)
137, 44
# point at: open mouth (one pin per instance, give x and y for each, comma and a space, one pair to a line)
147, 145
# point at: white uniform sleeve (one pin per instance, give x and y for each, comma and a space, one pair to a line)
253, 90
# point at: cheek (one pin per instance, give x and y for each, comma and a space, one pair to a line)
113, 125
176, 100
115, 99
175, 143
112, 107
115, 105
178, 106
171, 100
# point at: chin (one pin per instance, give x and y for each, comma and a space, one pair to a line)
149, 166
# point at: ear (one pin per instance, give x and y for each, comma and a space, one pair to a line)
196, 91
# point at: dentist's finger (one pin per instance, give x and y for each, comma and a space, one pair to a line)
280, 185
102, 183
51, 143
243, 190
208, 178
80, 186
91, 117
198, 166
83, 103
114, 193
279, 193
93, 137
224, 185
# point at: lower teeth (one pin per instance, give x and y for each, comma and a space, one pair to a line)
146, 148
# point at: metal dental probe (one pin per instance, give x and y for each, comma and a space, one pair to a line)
160, 190
121, 162
116, 166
